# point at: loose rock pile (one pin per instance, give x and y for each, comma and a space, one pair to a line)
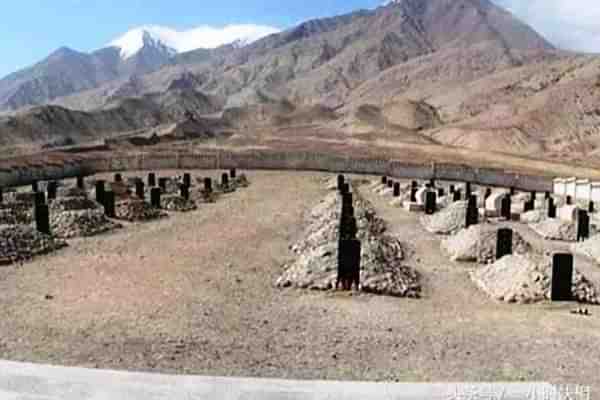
590, 248
555, 229
178, 203
80, 223
20, 243
137, 211
73, 203
448, 221
523, 279
16, 213
315, 267
478, 243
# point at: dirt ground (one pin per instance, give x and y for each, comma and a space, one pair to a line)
194, 293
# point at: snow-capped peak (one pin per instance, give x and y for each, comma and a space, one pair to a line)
180, 41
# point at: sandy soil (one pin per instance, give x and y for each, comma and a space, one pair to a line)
195, 293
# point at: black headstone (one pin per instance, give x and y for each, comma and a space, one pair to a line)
488, 193
155, 197
208, 185
569, 200
430, 200
80, 182
533, 196
414, 184
441, 192
456, 195
345, 188
42, 218
40, 198
109, 203
512, 191
139, 188
591, 208
51, 188
505, 207
340, 182
432, 182
151, 179
232, 173
467, 189
472, 217
546, 195
551, 208
224, 180
452, 189
504, 243
162, 183
34, 186
562, 277
583, 225
1, 196
118, 178
348, 274
397, 189
187, 179
185, 191
100, 191
390, 183
528, 206
413, 194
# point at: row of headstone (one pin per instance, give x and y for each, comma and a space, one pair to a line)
349, 248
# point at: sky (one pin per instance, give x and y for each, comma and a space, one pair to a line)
31, 29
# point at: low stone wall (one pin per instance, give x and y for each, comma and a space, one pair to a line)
266, 160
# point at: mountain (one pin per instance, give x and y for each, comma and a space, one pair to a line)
137, 52
450, 73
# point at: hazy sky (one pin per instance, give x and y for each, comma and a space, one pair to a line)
31, 29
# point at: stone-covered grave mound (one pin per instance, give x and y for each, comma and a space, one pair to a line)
178, 203
16, 213
137, 211
19, 243
528, 279
381, 269
589, 248
448, 220
78, 217
478, 243
556, 229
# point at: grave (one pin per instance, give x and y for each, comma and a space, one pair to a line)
151, 179
100, 191
493, 203
467, 189
232, 173
348, 274
414, 184
390, 183
109, 203
562, 277
345, 188
569, 200
583, 225
187, 179
224, 180
340, 182
139, 189
34, 186
551, 208
40, 198
80, 183
420, 195
413, 195
42, 218
451, 189
488, 193
528, 206
472, 217
397, 189
162, 183
441, 192
384, 180
185, 192
208, 185
506, 206
155, 197
591, 208
51, 189
504, 243
432, 183
430, 202
118, 178
1, 196
456, 196
546, 195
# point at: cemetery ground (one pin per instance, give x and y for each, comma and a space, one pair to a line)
195, 293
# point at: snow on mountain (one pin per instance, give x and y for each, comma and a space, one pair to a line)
181, 41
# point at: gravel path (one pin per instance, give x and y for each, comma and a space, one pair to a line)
194, 293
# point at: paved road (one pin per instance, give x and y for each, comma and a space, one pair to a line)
25, 381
